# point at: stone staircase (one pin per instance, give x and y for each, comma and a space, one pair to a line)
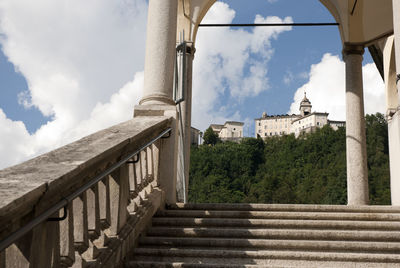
258, 235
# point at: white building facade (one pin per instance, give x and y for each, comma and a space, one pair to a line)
305, 122
231, 130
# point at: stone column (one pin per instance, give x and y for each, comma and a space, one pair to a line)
394, 153
356, 152
186, 110
394, 116
396, 26
160, 52
157, 97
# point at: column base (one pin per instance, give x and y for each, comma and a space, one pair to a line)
152, 100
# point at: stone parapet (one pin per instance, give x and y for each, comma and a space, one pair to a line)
102, 223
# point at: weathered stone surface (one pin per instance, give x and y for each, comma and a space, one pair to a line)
255, 235
58, 173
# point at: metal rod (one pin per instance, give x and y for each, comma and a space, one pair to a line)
64, 202
60, 218
133, 161
268, 24
354, 7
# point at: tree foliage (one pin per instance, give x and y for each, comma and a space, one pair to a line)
210, 137
310, 169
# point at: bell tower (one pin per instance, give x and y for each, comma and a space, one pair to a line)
305, 106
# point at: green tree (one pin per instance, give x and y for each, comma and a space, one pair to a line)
210, 137
310, 169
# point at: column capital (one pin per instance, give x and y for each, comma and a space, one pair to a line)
351, 49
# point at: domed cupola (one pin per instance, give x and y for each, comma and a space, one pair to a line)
305, 106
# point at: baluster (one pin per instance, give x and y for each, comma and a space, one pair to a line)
104, 202
119, 197
92, 196
3, 259
156, 156
45, 250
133, 188
81, 237
53, 239
143, 166
18, 254
138, 177
140, 173
144, 178
150, 164
67, 248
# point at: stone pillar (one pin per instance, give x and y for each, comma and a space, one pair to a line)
394, 153
394, 116
160, 52
157, 97
185, 108
356, 151
396, 26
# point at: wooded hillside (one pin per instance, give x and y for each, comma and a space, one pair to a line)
308, 170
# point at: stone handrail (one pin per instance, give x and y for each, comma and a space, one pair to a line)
101, 225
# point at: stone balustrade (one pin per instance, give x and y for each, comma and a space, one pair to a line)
100, 226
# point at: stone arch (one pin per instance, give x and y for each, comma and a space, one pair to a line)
355, 27
362, 23
392, 96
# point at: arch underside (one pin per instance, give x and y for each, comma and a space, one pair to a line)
362, 22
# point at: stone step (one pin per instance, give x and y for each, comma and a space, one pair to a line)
286, 215
152, 264
266, 244
286, 207
259, 235
293, 234
277, 223
216, 256
148, 262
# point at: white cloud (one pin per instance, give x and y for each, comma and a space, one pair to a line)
230, 64
14, 138
326, 89
79, 59
288, 78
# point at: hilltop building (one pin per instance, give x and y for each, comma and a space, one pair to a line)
306, 121
231, 130
194, 136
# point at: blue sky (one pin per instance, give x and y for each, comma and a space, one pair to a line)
294, 51
67, 70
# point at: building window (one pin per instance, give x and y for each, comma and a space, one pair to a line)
259, 124
270, 133
265, 134
317, 123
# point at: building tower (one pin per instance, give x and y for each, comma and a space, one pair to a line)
305, 106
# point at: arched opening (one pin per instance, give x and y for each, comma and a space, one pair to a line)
291, 48
357, 31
